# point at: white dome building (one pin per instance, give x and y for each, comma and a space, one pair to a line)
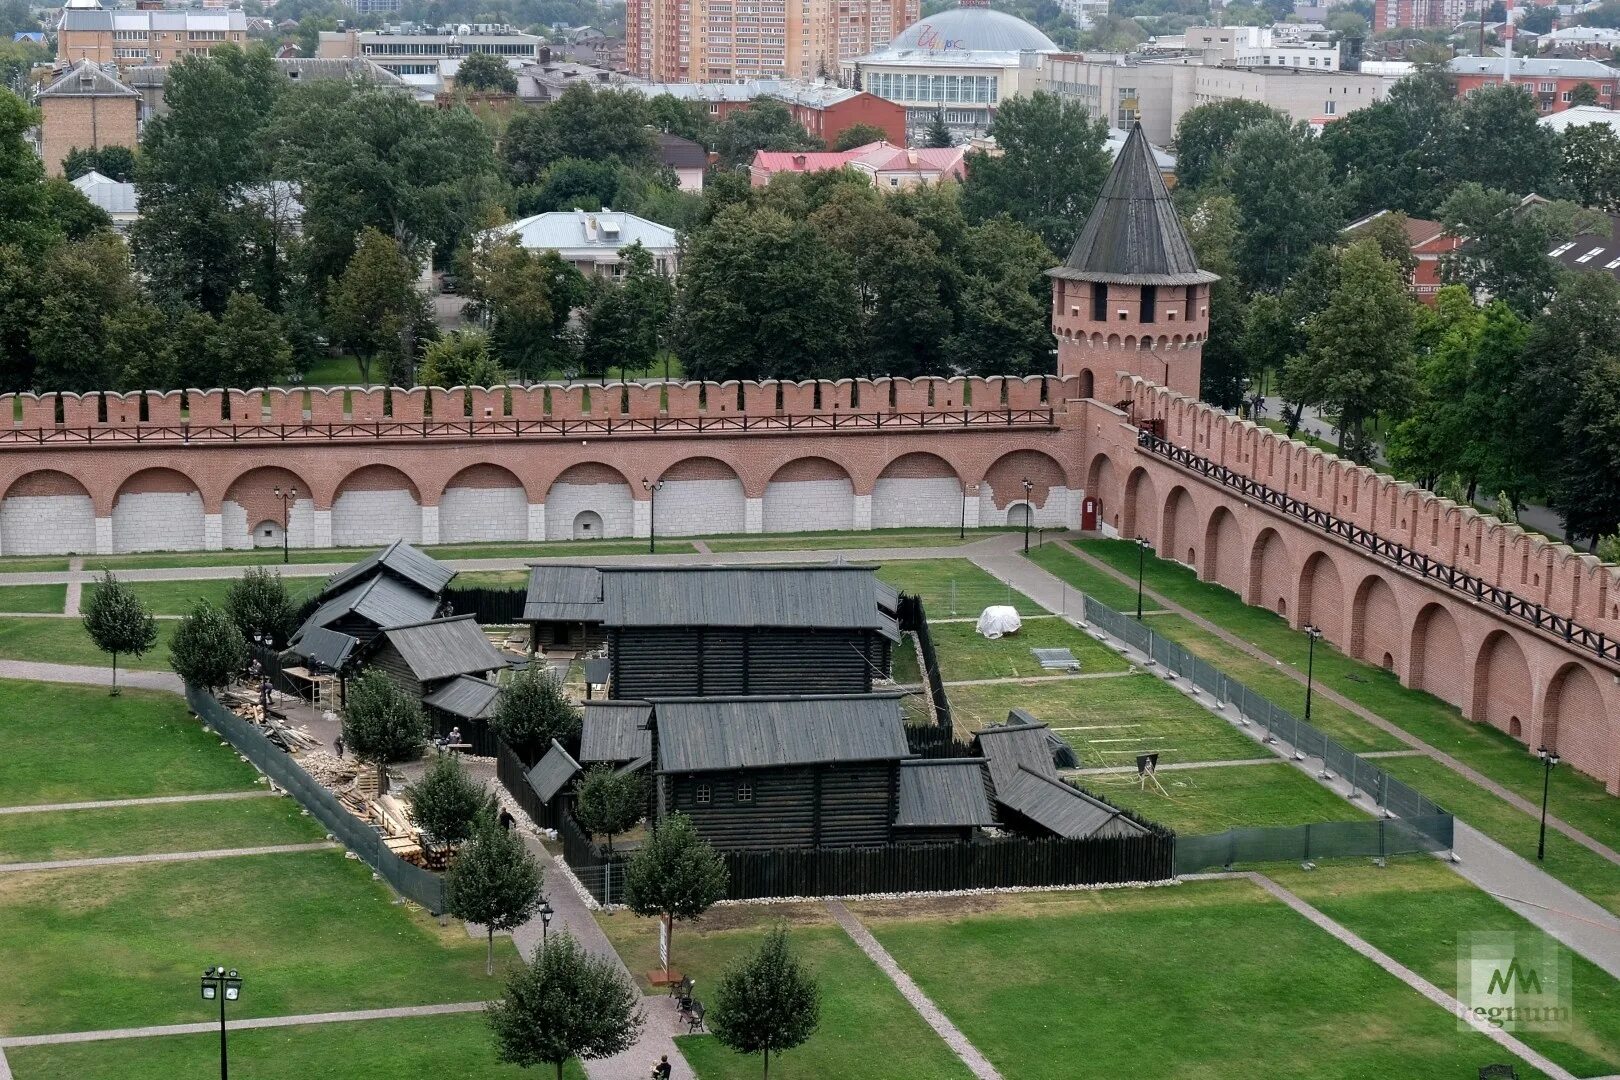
965, 61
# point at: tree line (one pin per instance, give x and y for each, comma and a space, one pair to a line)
1506, 385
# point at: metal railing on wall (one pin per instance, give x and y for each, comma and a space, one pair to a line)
1475, 588
409, 880
1383, 791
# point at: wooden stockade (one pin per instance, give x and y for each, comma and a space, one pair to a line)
489, 606
913, 618
514, 777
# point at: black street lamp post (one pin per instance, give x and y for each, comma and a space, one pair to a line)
1313, 633
545, 921
1141, 563
1029, 512
1549, 761
287, 498
221, 985
652, 512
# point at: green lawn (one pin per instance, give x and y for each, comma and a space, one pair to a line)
420, 1048
1582, 801
32, 564
33, 597
142, 830
1213, 980
63, 641
1585, 871
1109, 721
874, 538
179, 597
121, 946
72, 743
963, 654
954, 588
491, 579
517, 549
1087, 578
334, 371
1204, 801
1417, 910
861, 1011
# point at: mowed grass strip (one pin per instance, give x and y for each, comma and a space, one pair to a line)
965, 654
1110, 721
876, 538
1087, 578
1214, 980
78, 744
32, 564
1584, 802
458, 1046
27, 598
146, 830
121, 946
1202, 801
867, 1029
179, 597
1585, 871
954, 588
1420, 912
165, 560
64, 641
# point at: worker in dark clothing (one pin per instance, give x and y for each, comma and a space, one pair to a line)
337, 744
508, 822
662, 1070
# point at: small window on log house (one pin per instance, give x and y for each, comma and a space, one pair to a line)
704, 795
745, 792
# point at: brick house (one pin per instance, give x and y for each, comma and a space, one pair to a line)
85, 108
1429, 242
1551, 82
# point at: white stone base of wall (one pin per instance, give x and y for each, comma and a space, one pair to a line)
701, 507
240, 533
609, 503
211, 533
536, 522
369, 518
1061, 510
862, 513
898, 503
473, 515
158, 521
320, 529
430, 524
48, 525
104, 536
808, 506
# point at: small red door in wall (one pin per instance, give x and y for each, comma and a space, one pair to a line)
1088, 515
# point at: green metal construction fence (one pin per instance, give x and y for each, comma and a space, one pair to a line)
1407, 820
409, 880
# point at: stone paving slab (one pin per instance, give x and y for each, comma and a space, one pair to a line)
976, 1062
249, 1024
164, 857
90, 675
153, 800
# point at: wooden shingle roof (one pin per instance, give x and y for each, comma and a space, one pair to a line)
710, 734
615, 731
553, 773
443, 648
943, 792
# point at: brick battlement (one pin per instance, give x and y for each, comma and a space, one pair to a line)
536, 410
1572, 584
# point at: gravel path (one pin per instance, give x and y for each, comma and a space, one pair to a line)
107, 804
976, 1062
242, 1025
89, 675
75, 589
1476, 778
163, 857
1399, 970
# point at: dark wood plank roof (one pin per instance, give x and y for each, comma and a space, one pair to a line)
400, 560
380, 600
808, 597
325, 648
1012, 746
466, 697
1133, 235
615, 731
553, 773
709, 734
1062, 808
442, 648
940, 792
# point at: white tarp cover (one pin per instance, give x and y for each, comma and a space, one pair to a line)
994, 622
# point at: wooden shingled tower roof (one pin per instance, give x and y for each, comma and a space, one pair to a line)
1133, 235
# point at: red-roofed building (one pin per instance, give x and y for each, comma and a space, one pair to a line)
891, 168
1429, 242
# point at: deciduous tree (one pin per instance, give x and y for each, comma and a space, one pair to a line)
1205, 135
532, 710
461, 358
493, 881
675, 875
375, 310
446, 802
565, 1004
208, 650
260, 606
485, 73
768, 1002
382, 724
608, 802
859, 135
118, 622
1279, 179
765, 125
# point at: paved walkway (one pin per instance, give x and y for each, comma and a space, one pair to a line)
1399, 970
1472, 776
75, 589
89, 675
1560, 911
249, 1024
976, 1062
162, 857
154, 800
572, 915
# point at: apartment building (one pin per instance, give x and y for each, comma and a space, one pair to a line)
724, 40
88, 31
411, 50
1551, 82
